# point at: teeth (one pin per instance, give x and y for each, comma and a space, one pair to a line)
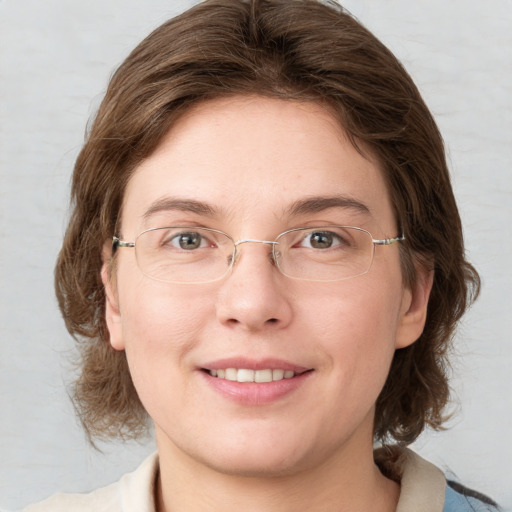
245, 375
231, 373
277, 374
262, 376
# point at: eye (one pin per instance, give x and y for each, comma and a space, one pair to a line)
188, 241
322, 240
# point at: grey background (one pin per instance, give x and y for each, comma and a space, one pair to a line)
55, 60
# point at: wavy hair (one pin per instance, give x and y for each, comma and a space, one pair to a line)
302, 50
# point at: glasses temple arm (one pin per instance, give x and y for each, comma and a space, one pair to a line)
389, 241
117, 242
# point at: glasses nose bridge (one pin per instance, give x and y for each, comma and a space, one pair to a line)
272, 243
254, 241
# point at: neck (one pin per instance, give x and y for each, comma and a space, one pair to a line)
347, 481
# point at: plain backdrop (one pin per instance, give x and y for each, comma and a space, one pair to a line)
56, 57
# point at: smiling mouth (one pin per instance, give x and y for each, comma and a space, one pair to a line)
247, 375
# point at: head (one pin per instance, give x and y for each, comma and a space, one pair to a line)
310, 53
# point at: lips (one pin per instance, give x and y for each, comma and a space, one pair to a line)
254, 382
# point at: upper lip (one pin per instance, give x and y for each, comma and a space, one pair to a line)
254, 364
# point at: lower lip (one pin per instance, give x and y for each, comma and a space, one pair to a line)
252, 393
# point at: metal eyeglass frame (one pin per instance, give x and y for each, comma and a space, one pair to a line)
118, 243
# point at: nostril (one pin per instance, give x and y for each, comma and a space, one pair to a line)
272, 320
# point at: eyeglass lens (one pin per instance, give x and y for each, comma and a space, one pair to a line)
200, 255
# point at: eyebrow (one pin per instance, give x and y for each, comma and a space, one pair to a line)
182, 205
301, 207
320, 203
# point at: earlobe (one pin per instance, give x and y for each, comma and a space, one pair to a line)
112, 311
413, 314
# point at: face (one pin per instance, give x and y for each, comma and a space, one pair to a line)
242, 165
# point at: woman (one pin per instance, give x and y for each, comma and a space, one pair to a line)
265, 258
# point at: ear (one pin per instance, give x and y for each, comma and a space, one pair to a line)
112, 311
413, 311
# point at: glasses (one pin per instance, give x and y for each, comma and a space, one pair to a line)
185, 254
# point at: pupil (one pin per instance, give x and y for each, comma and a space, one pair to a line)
190, 241
321, 240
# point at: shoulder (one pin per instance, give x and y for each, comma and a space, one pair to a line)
461, 499
101, 500
132, 493
424, 486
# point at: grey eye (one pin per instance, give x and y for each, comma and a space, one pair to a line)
321, 239
188, 241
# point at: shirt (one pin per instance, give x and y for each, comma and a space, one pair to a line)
423, 489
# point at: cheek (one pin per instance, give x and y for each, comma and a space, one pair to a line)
160, 322
161, 330
356, 325
357, 305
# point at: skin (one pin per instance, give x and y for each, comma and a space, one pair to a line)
250, 158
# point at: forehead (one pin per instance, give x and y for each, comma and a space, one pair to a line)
255, 157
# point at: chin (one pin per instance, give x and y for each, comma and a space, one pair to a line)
256, 467
262, 456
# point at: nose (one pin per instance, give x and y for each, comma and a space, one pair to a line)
253, 296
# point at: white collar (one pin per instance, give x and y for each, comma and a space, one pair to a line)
423, 485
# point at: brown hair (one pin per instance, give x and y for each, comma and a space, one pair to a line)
303, 50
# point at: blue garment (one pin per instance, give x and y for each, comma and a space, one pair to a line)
458, 502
